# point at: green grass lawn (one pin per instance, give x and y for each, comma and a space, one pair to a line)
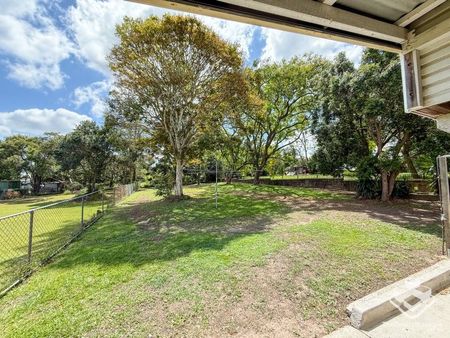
269, 261
52, 227
18, 205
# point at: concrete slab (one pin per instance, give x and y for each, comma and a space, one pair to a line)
347, 332
432, 321
385, 303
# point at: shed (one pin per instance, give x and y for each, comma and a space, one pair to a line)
6, 185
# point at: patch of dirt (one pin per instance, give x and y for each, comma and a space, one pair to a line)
266, 308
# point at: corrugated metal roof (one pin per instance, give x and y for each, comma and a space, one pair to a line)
388, 10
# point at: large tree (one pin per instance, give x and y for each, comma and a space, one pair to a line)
283, 97
338, 123
362, 121
179, 72
128, 136
87, 150
28, 157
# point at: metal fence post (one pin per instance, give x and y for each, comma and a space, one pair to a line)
82, 213
30, 235
444, 192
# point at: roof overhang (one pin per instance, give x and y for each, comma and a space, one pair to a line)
306, 17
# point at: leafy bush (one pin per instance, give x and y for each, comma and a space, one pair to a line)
146, 180
369, 188
163, 183
369, 185
401, 189
434, 184
73, 186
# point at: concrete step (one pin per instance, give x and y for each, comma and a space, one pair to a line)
401, 296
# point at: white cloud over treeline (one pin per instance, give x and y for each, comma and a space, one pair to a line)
37, 121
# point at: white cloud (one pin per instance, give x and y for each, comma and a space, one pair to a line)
37, 121
92, 24
94, 95
36, 75
19, 8
234, 32
35, 47
284, 45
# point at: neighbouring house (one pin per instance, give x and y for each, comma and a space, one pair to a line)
297, 170
51, 187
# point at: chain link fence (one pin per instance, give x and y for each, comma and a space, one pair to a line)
29, 239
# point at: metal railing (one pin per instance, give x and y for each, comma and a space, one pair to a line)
31, 238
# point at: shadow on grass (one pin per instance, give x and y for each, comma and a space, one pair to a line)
156, 231
281, 191
412, 215
422, 216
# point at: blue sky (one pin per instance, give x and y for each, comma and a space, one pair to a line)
53, 70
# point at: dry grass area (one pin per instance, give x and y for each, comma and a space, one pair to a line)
270, 261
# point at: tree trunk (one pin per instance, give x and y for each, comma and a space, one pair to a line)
384, 186
410, 164
228, 179
91, 187
36, 184
133, 178
179, 178
387, 185
391, 183
408, 160
92, 183
257, 176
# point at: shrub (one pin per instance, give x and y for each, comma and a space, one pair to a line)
163, 183
11, 194
146, 180
401, 189
369, 185
73, 186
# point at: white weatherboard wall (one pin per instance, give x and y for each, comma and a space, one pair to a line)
443, 122
435, 73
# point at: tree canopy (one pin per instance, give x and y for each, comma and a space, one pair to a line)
90, 153
283, 97
362, 117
